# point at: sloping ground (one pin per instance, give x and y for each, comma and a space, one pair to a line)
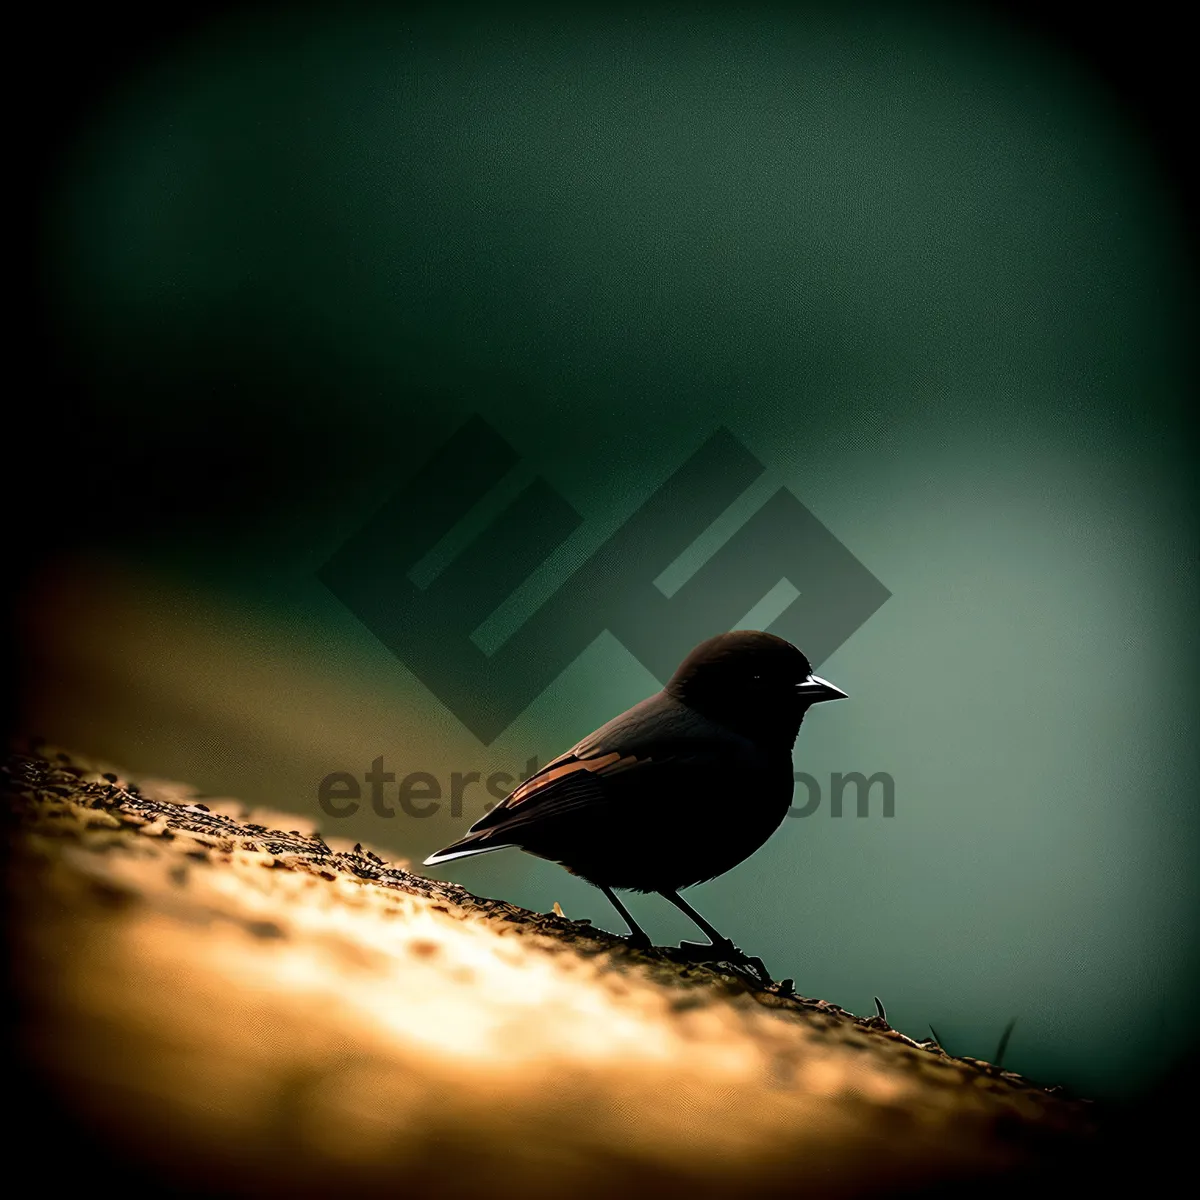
219, 1005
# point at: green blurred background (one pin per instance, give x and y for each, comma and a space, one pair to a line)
923, 264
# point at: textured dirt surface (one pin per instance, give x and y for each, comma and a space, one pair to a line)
225, 1002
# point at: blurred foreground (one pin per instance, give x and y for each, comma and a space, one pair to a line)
223, 1005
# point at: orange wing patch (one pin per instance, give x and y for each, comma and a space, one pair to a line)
606, 764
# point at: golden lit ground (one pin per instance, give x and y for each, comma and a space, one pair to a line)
227, 1005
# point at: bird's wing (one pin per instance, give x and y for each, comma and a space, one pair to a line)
570, 785
657, 734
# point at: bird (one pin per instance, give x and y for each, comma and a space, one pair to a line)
675, 791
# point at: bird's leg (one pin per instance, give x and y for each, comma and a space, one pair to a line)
637, 935
720, 949
718, 943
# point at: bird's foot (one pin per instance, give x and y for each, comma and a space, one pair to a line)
718, 950
724, 951
638, 941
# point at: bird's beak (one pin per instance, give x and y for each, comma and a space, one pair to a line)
815, 689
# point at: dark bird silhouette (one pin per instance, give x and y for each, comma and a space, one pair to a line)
677, 790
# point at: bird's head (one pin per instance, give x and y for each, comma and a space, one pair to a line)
755, 683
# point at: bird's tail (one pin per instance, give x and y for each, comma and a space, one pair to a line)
471, 845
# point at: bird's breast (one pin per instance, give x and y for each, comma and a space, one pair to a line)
699, 832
